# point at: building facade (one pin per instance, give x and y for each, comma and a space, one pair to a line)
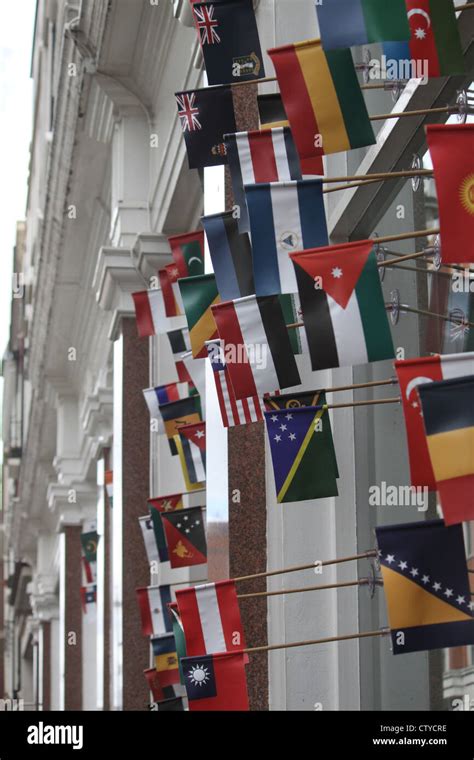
108, 182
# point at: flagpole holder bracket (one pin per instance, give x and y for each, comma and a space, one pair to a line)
463, 106
434, 253
380, 252
416, 165
371, 581
395, 88
365, 66
395, 306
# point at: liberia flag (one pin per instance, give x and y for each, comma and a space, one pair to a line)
164, 394
154, 616
151, 316
257, 349
452, 152
260, 156
206, 116
343, 306
211, 619
231, 255
193, 441
216, 682
229, 39
187, 251
233, 411
412, 373
284, 217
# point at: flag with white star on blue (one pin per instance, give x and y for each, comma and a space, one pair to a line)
426, 584
304, 462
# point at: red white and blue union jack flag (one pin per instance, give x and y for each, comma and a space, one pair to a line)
207, 25
187, 112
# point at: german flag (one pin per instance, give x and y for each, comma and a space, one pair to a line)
199, 294
424, 570
448, 415
321, 96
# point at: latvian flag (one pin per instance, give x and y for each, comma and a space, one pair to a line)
210, 617
164, 394
231, 255
187, 251
258, 351
260, 156
193, 441
233, 411
284, 217
154, 616
343, 307
180, 344
151, 316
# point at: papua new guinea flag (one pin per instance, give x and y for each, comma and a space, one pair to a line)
304, 465
426, 585
229, 39
343, 306
206, 116
185, 536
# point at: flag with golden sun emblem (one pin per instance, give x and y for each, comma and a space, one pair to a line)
452, 153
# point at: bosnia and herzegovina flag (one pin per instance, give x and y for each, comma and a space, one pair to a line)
303, 458
284, 217
343, 23
434, 40
187, 251
199, 294
322, 97
448, 415
426, 585
229, 39
452, 153
343, 307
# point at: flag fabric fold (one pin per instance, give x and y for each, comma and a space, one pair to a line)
164, 394
448, 416
154, 540
452, 152
322, 97
343, 306
193, 442
150, 313
233, 411
177, 413
426, 585
180, 344
284, 217
257, 349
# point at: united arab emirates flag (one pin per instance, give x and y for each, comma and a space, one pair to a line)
257, 350
426, 585
452, 152
322, 97
343, 306
434, 40
185, 537
231, 255
229, 39
304, 465
199, 294
206, 116
344, 23
188, 252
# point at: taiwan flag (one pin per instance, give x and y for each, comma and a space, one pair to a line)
216, 682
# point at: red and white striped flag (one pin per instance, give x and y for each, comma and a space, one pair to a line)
211, 618
233, 411
151, 316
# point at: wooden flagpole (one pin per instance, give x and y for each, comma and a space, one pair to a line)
346, 584
371, 402
311, 566
311, 642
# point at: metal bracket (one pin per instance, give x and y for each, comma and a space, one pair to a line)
366, 59
394, 306
416, 165
379, 251
396, 88
372, 581
463, 106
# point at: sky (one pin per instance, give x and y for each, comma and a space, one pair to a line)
16, 35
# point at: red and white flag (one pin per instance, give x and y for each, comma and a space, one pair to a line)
233, 411
151, 316
211, 618
414, 372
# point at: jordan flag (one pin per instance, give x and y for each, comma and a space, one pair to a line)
452, 153
187, 251
216, 682
152, 603
193, 441
210, 616
426, 585
257, 349
343, 306
185, 536
448, 416
412, 373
